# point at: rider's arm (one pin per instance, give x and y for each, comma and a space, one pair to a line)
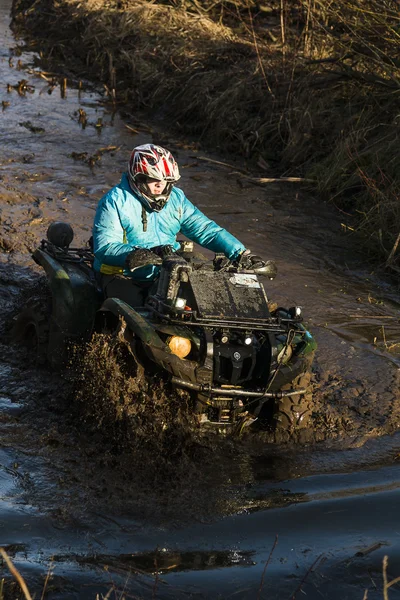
108, 234
200, 229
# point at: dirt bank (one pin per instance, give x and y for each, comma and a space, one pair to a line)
299, 89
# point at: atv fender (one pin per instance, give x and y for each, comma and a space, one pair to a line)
57, 277
75, 300
155, 348
136, 322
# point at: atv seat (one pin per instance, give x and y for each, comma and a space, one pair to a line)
118, 286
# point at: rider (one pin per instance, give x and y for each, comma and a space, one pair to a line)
137, 222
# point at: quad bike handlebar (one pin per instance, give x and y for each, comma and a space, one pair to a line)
60, 236
246, 263
267, 268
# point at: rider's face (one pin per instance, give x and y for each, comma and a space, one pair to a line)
155, 186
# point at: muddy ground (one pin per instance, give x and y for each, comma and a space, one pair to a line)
204, 524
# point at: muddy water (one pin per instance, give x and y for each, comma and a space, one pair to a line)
76, 511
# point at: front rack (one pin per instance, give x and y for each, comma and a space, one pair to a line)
192, 319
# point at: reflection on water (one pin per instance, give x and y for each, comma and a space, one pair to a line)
167, 561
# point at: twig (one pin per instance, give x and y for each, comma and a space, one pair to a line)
384, 337
263, 180
393, 268
282, 20
340, 210
386, 584
372, 317
393, 250
216, 162
372, 548
393, 582
365, 597
308, 31
260, 64
131, 128
305, 577
123, 595
242, 173
49, 572
140, 126
108, 149
14, 571
385, 581
266, 565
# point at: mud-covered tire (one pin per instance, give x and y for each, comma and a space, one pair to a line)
293, 413
31, 330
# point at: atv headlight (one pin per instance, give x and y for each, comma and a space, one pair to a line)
180, 303
180, 346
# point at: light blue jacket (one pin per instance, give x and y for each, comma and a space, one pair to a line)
119, 228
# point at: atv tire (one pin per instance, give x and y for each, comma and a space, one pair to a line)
293, 413
31, 330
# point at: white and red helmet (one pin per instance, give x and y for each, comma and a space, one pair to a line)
152, 162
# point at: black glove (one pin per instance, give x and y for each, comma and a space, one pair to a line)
163, 251
141, 257
248, 260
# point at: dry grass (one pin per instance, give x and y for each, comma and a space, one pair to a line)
314, 85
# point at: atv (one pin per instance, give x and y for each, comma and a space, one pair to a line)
206, 324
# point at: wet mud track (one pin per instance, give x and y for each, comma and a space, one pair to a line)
72, 505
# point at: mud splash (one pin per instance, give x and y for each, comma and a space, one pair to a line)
139, 415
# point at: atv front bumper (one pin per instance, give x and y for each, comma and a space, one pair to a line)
234, 392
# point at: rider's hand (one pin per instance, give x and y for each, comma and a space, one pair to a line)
250, 261
163, 251
141, 257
